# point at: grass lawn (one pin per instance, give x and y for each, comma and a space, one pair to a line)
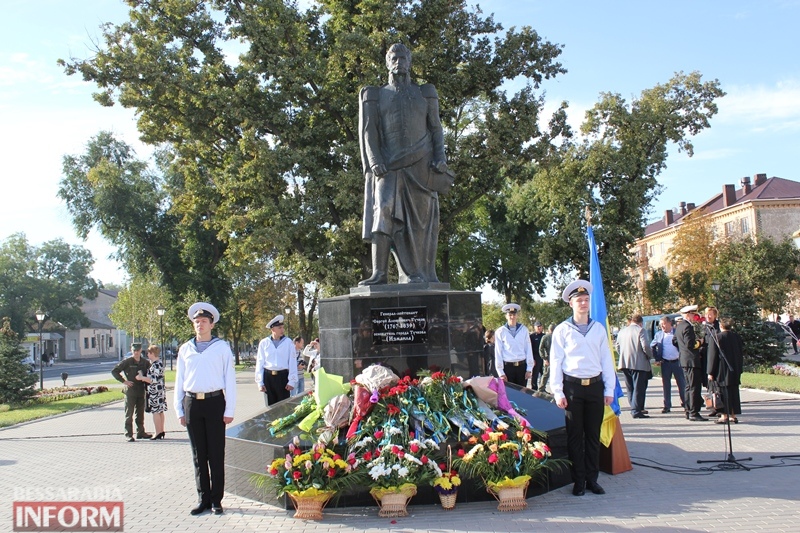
32, 412
774, 382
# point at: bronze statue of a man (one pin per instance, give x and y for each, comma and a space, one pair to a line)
402, 151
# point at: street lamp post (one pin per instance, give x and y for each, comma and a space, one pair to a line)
160, 310
40, 318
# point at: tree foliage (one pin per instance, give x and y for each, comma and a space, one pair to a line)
657, 291
109, 189
613, 172
766, 269
257, 104
53, 277
16, 382
693, 247
135, 309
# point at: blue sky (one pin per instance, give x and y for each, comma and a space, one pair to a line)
610, 46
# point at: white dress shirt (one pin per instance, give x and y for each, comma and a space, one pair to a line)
207, 371
280, 357
668, 350
581, 356
512, 347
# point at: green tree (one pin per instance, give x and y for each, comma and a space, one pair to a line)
612, 171
766, 268
263, 144
135, 309
53, 277
657, 291
693, 247
110, 190
739, 302
16, 382
692, 287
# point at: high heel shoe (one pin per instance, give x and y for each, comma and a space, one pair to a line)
158, 436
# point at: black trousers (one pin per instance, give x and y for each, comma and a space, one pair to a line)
694, 389
276, 385
515, 374
584, 416
134, 403
207, 437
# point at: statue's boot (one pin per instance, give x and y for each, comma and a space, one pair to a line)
380, 261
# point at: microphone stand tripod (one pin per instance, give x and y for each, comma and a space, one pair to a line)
730, 461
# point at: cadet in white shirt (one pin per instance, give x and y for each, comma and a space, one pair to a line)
582, 378
513, 356
205, 398
276, 364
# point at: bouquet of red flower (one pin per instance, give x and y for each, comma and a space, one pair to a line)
500, 461
391, 466
317, 469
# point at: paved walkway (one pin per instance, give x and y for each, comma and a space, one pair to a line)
81, 454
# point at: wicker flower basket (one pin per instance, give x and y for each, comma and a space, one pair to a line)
309, 507
448, 500
394, 503
510, 498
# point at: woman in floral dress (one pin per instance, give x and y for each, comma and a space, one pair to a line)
156, 392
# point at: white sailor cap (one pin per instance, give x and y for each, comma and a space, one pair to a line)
576, 288
275, 322
204, 309
509, 307
688, 309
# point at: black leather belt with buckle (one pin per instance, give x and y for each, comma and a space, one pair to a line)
583, 381
276, 372
514, 363
203, 395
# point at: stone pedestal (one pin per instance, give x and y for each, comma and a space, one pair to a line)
407, 327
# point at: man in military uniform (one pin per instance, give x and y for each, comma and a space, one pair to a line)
691, 362
125, 372
402, 151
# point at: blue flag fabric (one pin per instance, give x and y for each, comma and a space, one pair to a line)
597, 307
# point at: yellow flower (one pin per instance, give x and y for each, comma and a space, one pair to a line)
493, 447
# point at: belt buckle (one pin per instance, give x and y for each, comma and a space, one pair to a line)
586, 381
274, 372
515, 363
200, 396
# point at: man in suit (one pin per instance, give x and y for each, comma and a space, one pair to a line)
634, 361
536, 339
688, 348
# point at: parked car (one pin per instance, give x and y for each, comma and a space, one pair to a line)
782, 336
29, 363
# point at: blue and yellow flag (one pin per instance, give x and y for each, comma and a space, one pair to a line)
597, 307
